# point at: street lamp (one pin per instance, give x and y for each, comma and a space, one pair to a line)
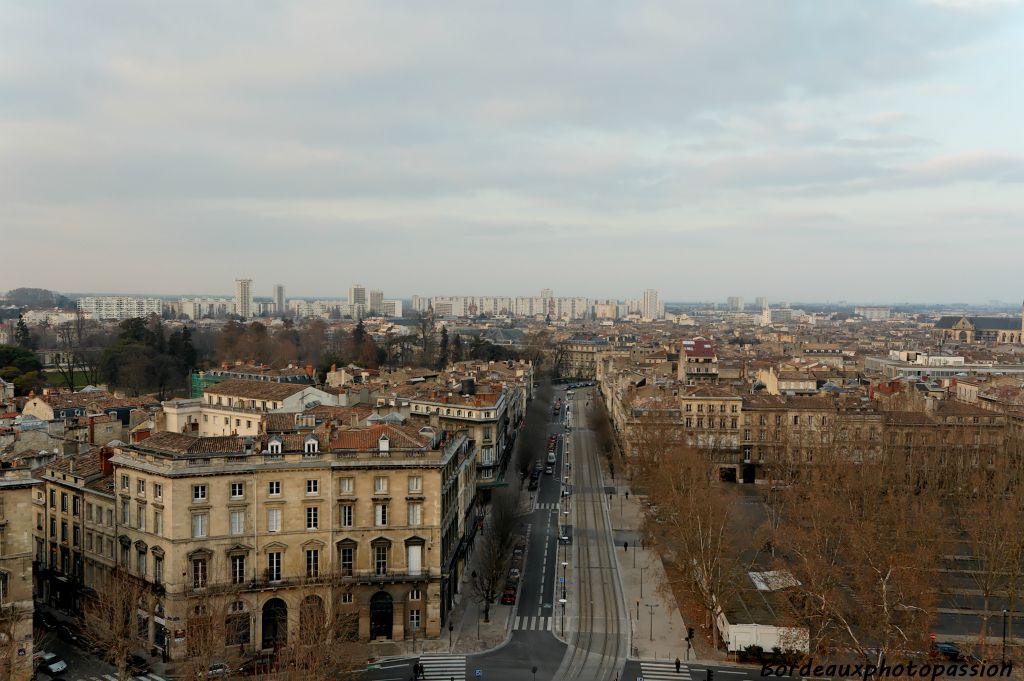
562, 601
642, 581
564, 565
1005, 613
534, 670
652, 606
451, 629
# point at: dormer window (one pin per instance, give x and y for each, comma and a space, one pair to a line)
384, 445
312, 445
275, 446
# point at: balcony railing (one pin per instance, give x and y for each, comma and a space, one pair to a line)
345, 577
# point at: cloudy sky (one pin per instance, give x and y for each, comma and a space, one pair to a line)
801, 150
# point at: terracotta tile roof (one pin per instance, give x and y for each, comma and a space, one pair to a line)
362, 439
183, 443
256, 390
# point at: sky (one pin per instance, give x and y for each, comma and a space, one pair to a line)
799, 149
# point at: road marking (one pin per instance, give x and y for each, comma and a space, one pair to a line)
444, 667
663, 671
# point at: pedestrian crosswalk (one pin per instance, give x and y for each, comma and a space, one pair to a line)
111, 677
662, 671
547, 506
533, 623
444, 667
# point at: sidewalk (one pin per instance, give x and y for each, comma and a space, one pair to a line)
644, 582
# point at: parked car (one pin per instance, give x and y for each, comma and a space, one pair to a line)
51, 663
947, 651
508, 598
69, 633
550, 470
514, 573
138, 664
534, 484
259, 665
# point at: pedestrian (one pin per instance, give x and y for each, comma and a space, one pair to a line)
678, 665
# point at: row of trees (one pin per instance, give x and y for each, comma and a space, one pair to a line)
872, 548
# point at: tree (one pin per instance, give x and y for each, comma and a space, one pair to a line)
80, 351
442, 350
457, 355
22, 336
111, 615
495, 549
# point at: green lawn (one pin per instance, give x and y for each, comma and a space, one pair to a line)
54, 379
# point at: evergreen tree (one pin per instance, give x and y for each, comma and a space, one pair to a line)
457, 348
22, 336
442, 352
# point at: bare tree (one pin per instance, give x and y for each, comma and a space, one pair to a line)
328, 645
111, 616
493, 554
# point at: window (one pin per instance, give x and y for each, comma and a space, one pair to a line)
380, 559
88, 512
415, 595
124, 514
158, 569
200, 525
140, 563
158, 490
63, 531
124, 557
312, 562
348, 556
380, 514
312, 518
700, 408
237, 522
275, 447
140, 516
415, 484
140, 486
88, 541
380, 485
689, 407
312, 487
198, 573
347, 598
64, 502
76, 506
346, 486
415, 515
273, 520
125, 483
237, 569
158, 522
346, 515
274, 488
76, 535
414, 619
53, 527
198, 493
312, 446
237, 490
274, 566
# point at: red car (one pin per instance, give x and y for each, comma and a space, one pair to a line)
508, 598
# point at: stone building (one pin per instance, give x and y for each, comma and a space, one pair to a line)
16, 605
354, 523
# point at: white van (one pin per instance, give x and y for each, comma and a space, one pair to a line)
551, 457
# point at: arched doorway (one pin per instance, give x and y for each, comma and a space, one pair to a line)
275, 623
382, 612
312, 619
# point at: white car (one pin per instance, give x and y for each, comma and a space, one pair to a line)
51, 663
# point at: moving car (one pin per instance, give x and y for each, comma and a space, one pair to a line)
551, 459
550, 470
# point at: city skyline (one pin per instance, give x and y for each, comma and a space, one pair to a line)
663, 138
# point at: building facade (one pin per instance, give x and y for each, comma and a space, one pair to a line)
119, 307
16, 605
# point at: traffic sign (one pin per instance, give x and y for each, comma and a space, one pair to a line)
561, 580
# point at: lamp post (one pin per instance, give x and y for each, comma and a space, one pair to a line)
642, 581
564, 565
651, 607
562, 601
1005, 613
451, 629
534, 670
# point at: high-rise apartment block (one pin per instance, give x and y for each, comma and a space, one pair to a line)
279, 307
376, 301
650, 308
357, 295
119, 307
243, 298
735, 303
